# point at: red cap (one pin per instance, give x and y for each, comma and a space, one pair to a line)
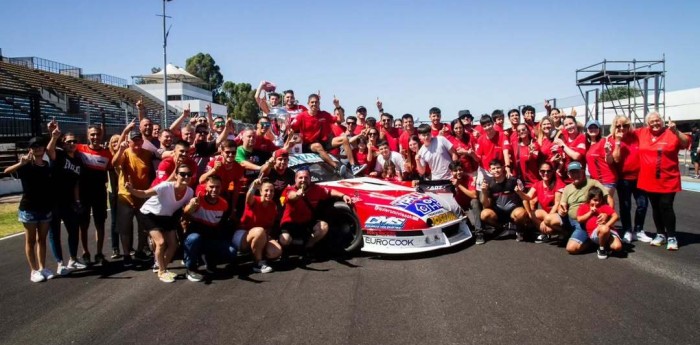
281, 153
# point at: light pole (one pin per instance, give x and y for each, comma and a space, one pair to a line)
165, 67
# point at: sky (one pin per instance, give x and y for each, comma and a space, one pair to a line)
413, 55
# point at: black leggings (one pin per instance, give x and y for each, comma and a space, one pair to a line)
662, 211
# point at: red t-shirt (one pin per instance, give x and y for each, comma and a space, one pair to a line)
167, 166
577, 144
546, 196
298, 211
527, 164
263, 144
658, 157
314, 129
259, 215
403, 140
597, 166
462, 199
628, 167
468, 163
488, 149
435, 131
592, 222
337, 131
209, 214
392, 137
230, 174
546, 150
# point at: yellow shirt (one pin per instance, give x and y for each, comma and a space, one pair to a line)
137, 166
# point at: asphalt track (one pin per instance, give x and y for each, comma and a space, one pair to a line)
502, 292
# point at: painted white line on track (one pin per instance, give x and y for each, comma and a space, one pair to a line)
10, 236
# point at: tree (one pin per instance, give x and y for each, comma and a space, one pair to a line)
619, 92
240, 101
204, 67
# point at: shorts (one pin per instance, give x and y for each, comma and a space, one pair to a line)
95, 201
578, 234
298, 231
33, 217
152, 222
694, 156
594, 235
327, 146
503, 215
610, 186
238, 238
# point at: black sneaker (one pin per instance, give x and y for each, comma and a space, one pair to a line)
141, 256
194, 276
100, 259
116, 254
86, 259
127, 262
519, 236
480, 238
602, 253
542, 238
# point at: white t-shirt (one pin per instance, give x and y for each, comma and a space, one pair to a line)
438, 157
164, 203
394, 157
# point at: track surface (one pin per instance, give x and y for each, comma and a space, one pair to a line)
502, 292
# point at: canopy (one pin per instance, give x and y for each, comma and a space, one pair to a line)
175, 73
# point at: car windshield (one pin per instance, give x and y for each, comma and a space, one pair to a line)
320, 170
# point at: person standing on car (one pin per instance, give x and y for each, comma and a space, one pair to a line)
301, 200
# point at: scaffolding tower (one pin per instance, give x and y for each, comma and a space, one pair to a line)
645, 82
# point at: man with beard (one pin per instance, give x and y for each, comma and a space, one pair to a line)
437, 127
388, 132
291, 106
166, 168
228, 171
93, 188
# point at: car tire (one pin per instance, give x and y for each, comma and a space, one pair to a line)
345, 230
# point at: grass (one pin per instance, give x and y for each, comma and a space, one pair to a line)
8, 219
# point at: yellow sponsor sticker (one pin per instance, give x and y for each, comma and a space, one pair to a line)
443, 218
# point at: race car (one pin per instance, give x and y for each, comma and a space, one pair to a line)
385, 217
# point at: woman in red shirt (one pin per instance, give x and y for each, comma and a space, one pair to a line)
544, 136
257, 222
572, 147
464, 146
659, 174
546, 192
526, 154
599, 157
626, 156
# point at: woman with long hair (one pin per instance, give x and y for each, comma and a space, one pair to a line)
546, 193
526, 155
599, 157
571, 148
34, 207
626, 157
464, 146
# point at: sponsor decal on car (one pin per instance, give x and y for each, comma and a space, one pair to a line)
443, 218
395, 212
384, 222
303, 158
389, 242
418, 204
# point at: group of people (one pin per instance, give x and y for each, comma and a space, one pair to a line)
202, 189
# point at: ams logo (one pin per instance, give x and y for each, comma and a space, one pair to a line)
383, 222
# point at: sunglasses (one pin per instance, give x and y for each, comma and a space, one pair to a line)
372, 134
622, 126
229, 153
203, 132
546, 171
264, 124
71, 142
184, 174
350, 123
219, 124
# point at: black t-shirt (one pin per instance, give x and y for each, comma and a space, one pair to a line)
36, 186
696, 139
66, 173
281, 181
504, 195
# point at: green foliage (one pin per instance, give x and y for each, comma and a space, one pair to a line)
204, 67
240, 101
619, 92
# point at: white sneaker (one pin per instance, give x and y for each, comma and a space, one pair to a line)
642, 236
62, 270
658, 241
47, 273
262, 267
75, 265
37, 277
629, 237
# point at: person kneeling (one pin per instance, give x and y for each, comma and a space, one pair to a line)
502, 199
257, 222
599, 219
205, 239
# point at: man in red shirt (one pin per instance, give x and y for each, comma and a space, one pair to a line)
166, 168
230, 173
361, 114
291, 106
497, 117
315, 128
494, 145
389, 133
301, 200
437, 127
529, 119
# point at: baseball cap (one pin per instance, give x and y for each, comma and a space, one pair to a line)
465, 114
575, 166
281, 153
135, 134
592, 122
361, 108
37, 142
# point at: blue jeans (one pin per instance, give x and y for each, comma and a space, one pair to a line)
626, 189
70, 220
211, 250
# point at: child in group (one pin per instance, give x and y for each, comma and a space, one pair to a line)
389, 172
598, 219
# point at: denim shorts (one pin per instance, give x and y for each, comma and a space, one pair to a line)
578, 234
32, 217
